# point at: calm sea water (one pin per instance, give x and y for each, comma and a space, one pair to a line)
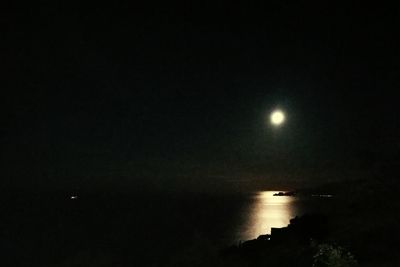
262, 211
57, 228
231, 219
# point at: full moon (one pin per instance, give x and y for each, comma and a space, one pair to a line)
277, 117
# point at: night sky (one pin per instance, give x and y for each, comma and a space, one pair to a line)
177, 97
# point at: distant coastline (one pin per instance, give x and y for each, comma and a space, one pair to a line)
287, 194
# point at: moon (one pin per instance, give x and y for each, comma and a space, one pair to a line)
277, 117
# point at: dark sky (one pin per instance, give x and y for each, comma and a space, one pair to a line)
175, 97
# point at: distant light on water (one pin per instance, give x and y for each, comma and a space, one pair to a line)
322, 195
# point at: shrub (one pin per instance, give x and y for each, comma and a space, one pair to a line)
333, 256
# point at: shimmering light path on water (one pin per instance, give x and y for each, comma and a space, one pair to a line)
266, 211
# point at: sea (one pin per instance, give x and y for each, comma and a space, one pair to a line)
63, 229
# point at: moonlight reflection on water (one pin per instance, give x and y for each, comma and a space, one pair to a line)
266, 211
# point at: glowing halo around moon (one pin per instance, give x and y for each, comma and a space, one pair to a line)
277, 117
